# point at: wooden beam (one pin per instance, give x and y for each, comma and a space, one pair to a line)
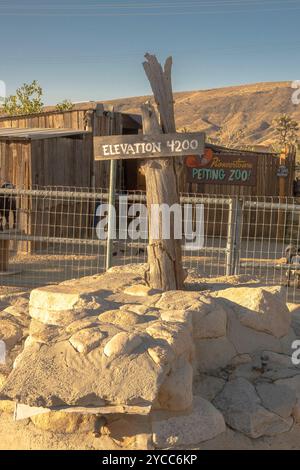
165, 269
161, 83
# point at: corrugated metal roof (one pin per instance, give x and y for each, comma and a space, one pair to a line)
37, 133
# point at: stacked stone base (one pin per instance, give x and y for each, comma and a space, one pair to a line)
156, 369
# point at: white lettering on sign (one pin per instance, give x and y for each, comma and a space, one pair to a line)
179, 146
144, 146
105, 150
133, 149
176, 146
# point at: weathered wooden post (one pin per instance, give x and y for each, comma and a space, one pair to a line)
164, 256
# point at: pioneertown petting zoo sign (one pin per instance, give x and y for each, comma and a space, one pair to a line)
147, 146
222, 168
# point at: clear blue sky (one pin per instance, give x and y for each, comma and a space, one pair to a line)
93, 50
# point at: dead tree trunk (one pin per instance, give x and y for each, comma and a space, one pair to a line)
164, 255
161, 85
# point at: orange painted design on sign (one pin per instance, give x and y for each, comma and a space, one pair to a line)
199, 161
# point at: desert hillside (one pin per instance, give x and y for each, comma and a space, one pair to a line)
248, 107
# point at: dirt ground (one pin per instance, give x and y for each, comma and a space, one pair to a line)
23, 435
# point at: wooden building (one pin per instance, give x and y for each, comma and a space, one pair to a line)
98, 120
101, 120
46, 157
92, 117
38, 158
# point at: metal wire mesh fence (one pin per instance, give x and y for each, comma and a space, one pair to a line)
48, 235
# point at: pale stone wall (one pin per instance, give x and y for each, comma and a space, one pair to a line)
160, 369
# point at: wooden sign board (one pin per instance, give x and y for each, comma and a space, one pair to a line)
119, 147
222, 168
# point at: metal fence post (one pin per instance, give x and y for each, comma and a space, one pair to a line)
111, 212
111, 199
237, 236
230, 237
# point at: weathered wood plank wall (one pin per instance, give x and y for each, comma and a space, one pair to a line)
75, 119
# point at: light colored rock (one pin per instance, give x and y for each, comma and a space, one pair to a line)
293, 383
30, 346
286, 342
184, 300
202, 423
176, 393
118, 298
211, 325
277, 372
3, 379
18, 311
122, 318
18, 322
278, 366
16, 314
140, 309
241, 359
260, 308
129, 270
293, 308
161, 355
43, 333
181, 316
64, 296
62, 422
79, 325
29, 341
243, 411
296, 411
20, 301
279, 399
10, 333
130, 432
211, 354
86, 340
177, 335
207, 386
249, 371
247, 340
140, 290
57, 317
121, 344
281, 359
96, 285
55, 375
109, 281
296, 320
